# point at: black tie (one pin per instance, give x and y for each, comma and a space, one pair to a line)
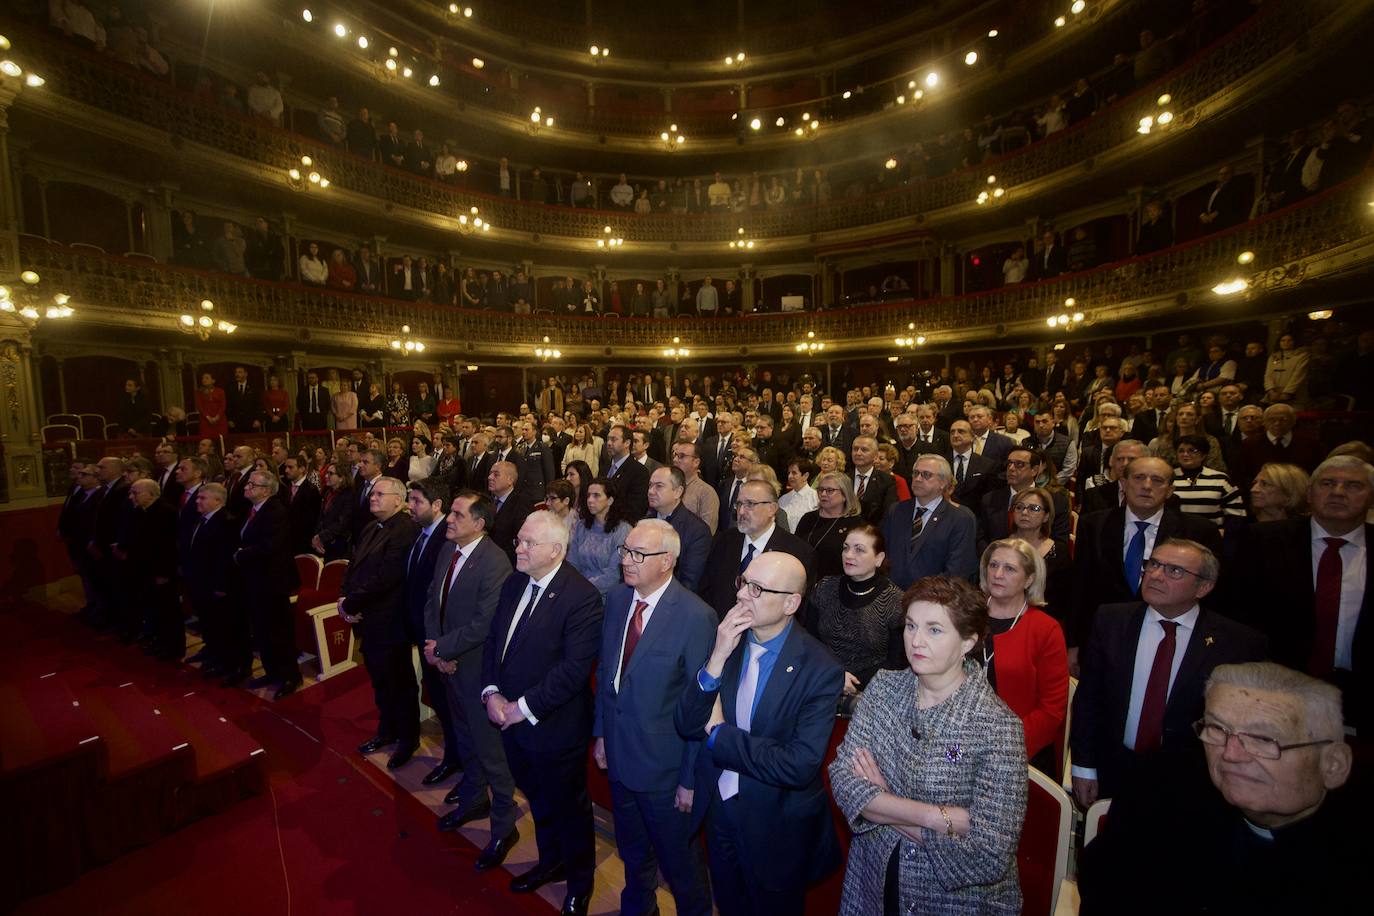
747, 559
959, 469
524, 621
417, 552
314, 401
1230, 422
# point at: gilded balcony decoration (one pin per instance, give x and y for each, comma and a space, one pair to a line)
94, 81
116, 291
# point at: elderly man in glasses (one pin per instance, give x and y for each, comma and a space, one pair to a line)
756, 533
1144, 668
764, 702
1273, 831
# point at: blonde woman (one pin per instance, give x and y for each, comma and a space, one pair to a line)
830, 460
582, 448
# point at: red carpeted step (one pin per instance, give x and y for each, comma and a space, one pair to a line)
227, 759
51, 757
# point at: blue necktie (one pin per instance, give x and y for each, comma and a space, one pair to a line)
748, 558
1135, 557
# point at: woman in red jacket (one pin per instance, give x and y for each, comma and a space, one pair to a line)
1024, 652
210, 405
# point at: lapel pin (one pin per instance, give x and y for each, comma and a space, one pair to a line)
1208, 640
790, 669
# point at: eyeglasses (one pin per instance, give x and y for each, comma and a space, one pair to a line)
1261, 746
637, 555
753, 503
1011, 463
1172, 571
926, 475
756, 590
829, 490
1032, 508
528, 544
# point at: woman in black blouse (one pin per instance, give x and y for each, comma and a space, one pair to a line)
824, 528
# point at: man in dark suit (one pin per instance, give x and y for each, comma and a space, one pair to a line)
874, 487
165, 459
510, 506
109, 505
973, 474
927, 535
133, 415
1054, 445
643, 452
1309, 584
995, 520
837, 432
478, 462
372, 598
765, 703
1227, 204
771, 450
1145, 667
716, 453
930, 438
1278, 444
266, 577
391, 147
666, 489
1112, 492
312, 404
1095, 462
1051, 260
152, 569
736, 548
206, 568
647, 391
462, 601
1147, 424
732, 479
535, 462
75, 525
243, 404
1111, 547
537, 665
302, 499
655, 636
987, 441
630, 476
369, 468
426, 500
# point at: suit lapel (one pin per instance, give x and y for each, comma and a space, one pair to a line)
1199, 646
933, 521
658, 625
780, 679
1114, 545
541, 607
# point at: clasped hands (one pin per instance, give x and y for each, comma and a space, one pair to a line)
445, 667
503, 713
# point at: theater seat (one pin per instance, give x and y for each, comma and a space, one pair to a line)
308, 567
1095, 819
59, 432
1043, 854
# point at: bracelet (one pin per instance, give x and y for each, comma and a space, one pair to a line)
949, 824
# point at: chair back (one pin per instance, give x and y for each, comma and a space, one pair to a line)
1095, 819
1043, 854
331, 579
1061, 743
59, 432
69, 418
93, 426
309, 567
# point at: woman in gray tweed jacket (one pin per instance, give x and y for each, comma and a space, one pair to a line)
932, 772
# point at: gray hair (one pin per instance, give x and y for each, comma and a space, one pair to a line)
554, 527
216, 490
268, 480
845, 486
1321, 701
1345, 463
1032, 564
941, 461
1131, 443
668, 539
1211, 566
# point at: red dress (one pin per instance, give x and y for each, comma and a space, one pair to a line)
448, 409
211, 405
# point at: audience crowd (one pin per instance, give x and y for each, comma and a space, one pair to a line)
971, 542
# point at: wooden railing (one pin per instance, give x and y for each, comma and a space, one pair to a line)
111, 289
95, 81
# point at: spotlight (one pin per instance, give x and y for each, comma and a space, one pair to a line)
755, 124
362, 42
307, 15
341, 30
971, 58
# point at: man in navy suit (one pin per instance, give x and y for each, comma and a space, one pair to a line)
266, 578
462, 602
632, 476
1111, 546
666, 488
537, 665
874, 487
927, 535
372, 598
1145, 668
758, 533
205, 573
426, 500
656, 634
765, 703
987, 441
973, 474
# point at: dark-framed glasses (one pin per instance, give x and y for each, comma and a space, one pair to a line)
637, 555
1261, 746
756, 590
1032, 508
1171, 570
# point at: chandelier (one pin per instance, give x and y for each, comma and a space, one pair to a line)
676, 351
470, 222
910, 340
405, 344
301, 179
741, 243
993, 196
547, 352
1066, 319
204, 325
672, 140
811, 346
607, 240
29, 305
537, 121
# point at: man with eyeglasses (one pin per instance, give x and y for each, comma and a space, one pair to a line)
1308, 582
1111, 546
1270, 828
765, 703
655, 637
771, 450
928, 535
666, 489
736, 548
728, 493
698, 496
265, 578
537, 665
997, 510
1144, 668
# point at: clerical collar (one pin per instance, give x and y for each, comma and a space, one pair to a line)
1264, 833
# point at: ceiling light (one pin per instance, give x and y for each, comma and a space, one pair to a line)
816, 124
920, 94
1319, 314
891, 162
341, 30
434, 80
467, 12
729, 60
799, 132
1078, 7
391, 65
478, 63
932, 79
392, 52
307, 15
806, 116
548, 122
1245, 257
992, 33
740, 57
1146, 123
1165, 118
595, 50
971, 58
1059, 22
34, 80
846, 94
10, 68
1230, 287
755, 124
998, 192
901, 100
780, 121
1165, 99
1070, 302
992, 179
407, 72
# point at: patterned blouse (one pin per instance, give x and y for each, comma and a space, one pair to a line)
398, 410
857, 629
593, 553
971, 754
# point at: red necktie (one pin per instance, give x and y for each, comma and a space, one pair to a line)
1151, 727
636, 630
1326, 604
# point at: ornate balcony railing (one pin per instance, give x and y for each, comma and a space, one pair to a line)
114, 289
96, 81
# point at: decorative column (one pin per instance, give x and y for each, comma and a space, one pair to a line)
170, 363
746, 280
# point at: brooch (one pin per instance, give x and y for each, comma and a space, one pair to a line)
1208, 640
954, 753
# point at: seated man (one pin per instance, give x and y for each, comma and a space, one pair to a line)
1274, 832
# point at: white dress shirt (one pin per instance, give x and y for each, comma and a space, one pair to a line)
1151, 532
543, 584
760, 543
1353, 566
652, 601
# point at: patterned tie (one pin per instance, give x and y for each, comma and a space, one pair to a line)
918, 524
1150, 729
632, 635
958, 470
747, 559
863, 485
978, 446
744, 715
1135, 557
1326, 605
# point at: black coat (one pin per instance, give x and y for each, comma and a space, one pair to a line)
374, 586
264, 563
242, 409
303, 513
633, 480
722, 564
205, 560
880, 495
980, 476
506, 525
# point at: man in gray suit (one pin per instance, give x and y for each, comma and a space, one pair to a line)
655, 637
468, 575
928, 535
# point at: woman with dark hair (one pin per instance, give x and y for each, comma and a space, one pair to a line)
275, 403
579, 475
931, 775
825, 528
397, 407
857, 613
561, 499
789, 434
372, 407
603, 528
336, 514
421, 461
210, 403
